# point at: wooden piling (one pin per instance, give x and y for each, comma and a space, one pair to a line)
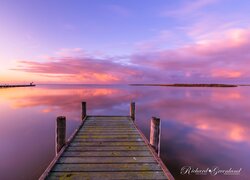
83, 110
107, 147
60, 132
132, 110
155, 133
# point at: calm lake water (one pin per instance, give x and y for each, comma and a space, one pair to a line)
201, 127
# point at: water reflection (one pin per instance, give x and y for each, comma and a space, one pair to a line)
201, 127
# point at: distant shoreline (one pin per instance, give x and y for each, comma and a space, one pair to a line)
187, 85
12, 86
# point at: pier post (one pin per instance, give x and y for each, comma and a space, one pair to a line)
60, 132
155, 133
132, 110
83, 110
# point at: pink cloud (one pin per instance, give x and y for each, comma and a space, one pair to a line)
224, 60
216, 60
226, 73
84, 70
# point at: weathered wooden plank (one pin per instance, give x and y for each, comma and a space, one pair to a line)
101, 160
106, 148
108, 175
106, 133
109, 121
108, 125
106, 167
103, 126
108, 118
108, 128
111, 127
105, 140
107, 153
101, 136
135, 143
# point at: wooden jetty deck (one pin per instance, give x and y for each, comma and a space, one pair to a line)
106, 147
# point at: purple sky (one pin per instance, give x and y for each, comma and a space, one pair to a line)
94, 41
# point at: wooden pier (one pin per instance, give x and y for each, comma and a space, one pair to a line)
106, 147
12, 86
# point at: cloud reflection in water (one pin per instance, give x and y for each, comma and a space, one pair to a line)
201, 127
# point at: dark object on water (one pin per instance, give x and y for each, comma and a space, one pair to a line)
11, 86
188, 85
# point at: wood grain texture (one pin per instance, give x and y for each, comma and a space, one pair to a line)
107, 136
103, 160
107, 175
108, 140
107, 147
106, 167
111, 153
101, 144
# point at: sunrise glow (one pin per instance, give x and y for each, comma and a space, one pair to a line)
113, 42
